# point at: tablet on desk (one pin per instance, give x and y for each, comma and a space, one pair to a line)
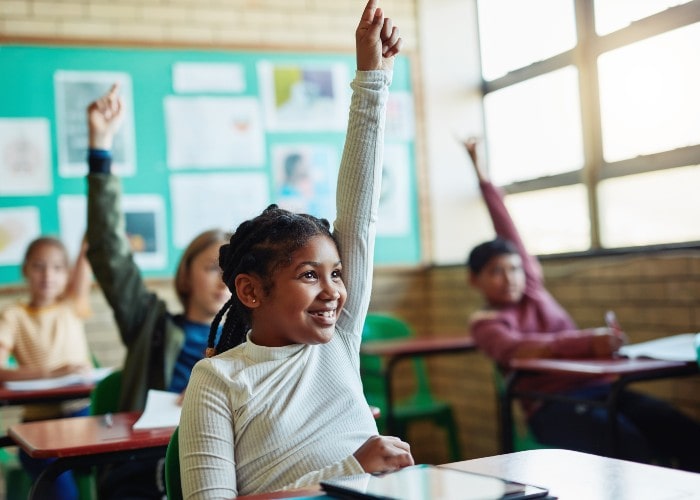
424, 482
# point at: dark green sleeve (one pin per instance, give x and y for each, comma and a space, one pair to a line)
111, 258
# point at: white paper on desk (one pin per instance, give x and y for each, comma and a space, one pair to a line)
161, 410
674, 348
92, 377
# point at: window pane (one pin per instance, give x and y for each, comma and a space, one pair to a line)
533, 128
612, 15
651, 208
649, 95
514, 33
552, 220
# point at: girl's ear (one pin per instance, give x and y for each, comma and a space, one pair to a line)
248, 290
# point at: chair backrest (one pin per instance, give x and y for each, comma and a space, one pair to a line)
104, 398
173, 485
386, 327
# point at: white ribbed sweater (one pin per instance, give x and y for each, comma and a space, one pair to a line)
259, 419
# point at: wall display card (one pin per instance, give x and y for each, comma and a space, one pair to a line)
25, 157
305, 178
214, 132
208, 77
394, 202
400, 117
144, 216
205, 201
75, 90
18, 227
302, 97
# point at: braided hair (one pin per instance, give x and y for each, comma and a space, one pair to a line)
259, 246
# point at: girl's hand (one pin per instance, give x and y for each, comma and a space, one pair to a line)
377, 40
384, 454
104, 118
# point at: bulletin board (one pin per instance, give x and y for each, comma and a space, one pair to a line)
209, 139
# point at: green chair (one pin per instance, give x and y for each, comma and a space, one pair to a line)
105, 396
173, 485
420, 405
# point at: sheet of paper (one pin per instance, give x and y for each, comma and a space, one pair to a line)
161, 411
25, 157
674, 348
91, 377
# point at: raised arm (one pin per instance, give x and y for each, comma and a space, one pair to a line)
109, 252
78, 288
502, 222
377, 41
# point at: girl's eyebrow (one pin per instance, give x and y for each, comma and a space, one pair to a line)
313, 263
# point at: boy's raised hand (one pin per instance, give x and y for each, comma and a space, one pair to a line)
104, 118
377, 40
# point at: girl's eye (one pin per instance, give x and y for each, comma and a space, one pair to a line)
337, 274
309, 275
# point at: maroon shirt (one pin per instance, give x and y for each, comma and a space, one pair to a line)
536, 321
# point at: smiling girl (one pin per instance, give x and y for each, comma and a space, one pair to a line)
281, 404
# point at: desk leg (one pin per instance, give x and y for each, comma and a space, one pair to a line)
613, 429
505, 408
389, 377
41, 490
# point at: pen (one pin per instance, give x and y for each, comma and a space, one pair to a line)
108, 419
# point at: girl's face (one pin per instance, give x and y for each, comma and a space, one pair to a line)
46, 272
305, 300
502, 280
207, 291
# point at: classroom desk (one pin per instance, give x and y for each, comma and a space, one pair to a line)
624, 370
572, 475
569, 475
10, 397
85, 441
395, 350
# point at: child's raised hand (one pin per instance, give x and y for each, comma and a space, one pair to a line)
377, 40
384, 454
104, 118
471, 144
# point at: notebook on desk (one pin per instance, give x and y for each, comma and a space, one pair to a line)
424, 482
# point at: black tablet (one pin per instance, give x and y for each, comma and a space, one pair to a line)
428, 482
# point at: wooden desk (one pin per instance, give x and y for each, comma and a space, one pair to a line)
394, 351
85, 441
10, 397
571, 475
625, 371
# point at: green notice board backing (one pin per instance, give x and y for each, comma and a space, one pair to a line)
209, 139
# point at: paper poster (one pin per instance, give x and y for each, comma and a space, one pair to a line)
144, 216
75, 90
220, 200
214, 132
394, 201
306, 178
19, 226
25, 157
208, 77
302, 97
400, 117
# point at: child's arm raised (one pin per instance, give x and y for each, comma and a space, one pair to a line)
359, 179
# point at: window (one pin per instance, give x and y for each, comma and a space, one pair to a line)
592, 119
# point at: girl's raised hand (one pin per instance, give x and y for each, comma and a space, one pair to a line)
377, 40
104, 118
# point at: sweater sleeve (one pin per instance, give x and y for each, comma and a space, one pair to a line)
111, 258
359, 184
505, 228
502, 342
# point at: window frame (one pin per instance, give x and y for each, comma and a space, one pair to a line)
584, 57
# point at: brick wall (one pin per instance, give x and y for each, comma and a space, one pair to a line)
293, 24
